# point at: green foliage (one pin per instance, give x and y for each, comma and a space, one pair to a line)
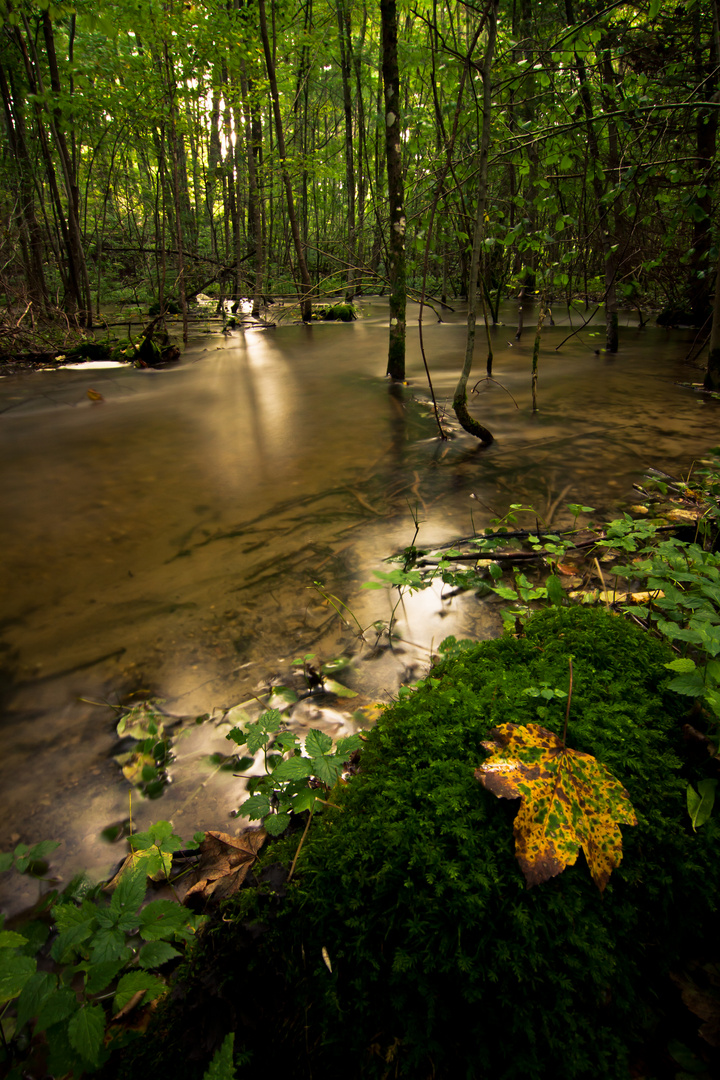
293, 781
91, 958
414, 894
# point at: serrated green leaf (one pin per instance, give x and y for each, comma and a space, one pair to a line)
15, 972
237, 735
304, 800
256, 740
277, 823
689, 685
34, 994
162, 919
99, 976
86, 1030
107, 945
683, 664
555, 591
257, 806
317, 743
156, 953
221, 1066
56, 1008
9, 939
327, 769
68, 941
347, 745
134, 981
295, 768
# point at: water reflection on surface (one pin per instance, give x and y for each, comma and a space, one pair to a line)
167, 538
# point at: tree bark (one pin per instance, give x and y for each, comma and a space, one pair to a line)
306, 285
469, 423
396, 191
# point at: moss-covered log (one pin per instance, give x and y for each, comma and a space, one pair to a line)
408, 944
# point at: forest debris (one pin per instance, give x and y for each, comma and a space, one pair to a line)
224, 863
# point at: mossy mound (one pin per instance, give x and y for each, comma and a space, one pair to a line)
443, 963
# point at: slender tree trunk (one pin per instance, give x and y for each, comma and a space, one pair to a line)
396, 191
468, 422
306, 289
255, 208
345, 39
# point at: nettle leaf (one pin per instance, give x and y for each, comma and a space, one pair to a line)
35, 993
56, 1007
295, 768
162, 919
691, 685
133, 983
86, 1030
156, 953
683, 665
15, 972
569, 801
327, 769
129, 894
317, 743
221, 1066
276, 823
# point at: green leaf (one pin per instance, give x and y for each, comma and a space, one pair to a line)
700, 803
277, 823
108, 944
221, 1066
237, 735
15, 972
34, 994
130, 892
134, 981
6, 861
67, 942
304, 800
156, 953
162, 919
86, 1030
98, 976
555, 591
257, 806
690, 685
327, 769
317, 743
295, 768
56, 1008
683, 664
9, 939
333, 687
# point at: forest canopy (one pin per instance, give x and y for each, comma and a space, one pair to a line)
154, 150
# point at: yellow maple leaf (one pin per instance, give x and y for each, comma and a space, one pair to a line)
569, 801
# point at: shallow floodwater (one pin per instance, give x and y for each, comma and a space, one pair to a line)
166, 538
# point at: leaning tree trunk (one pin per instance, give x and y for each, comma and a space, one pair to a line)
396, 191
469, 423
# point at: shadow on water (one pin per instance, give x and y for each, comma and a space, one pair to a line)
165, 540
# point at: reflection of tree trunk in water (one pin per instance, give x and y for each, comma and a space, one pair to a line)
712, 377
469, 423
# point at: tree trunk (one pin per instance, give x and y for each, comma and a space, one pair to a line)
306, 290
472, 426
396, 191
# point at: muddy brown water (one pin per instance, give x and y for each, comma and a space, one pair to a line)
165, 540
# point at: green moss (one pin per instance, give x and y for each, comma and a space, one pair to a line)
443, 963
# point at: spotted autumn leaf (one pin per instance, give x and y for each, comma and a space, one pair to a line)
569, 801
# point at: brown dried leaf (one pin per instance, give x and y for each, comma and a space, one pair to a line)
224, 863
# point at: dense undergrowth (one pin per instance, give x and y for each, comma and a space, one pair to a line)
409, 945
